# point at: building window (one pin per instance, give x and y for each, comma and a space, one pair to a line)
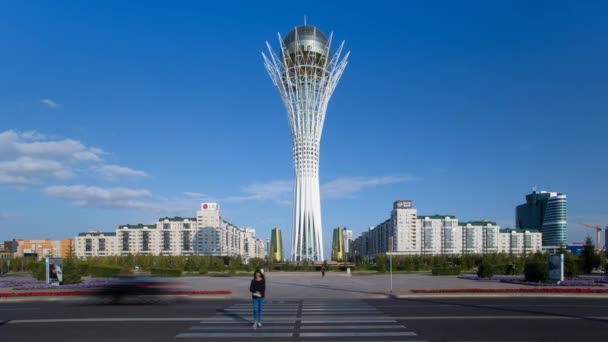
102, 245
166, 241
186, 241
145, 241
125, 241
88, 245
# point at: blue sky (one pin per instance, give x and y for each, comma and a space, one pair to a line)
122, 112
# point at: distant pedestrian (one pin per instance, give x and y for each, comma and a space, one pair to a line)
258, 291
322, 271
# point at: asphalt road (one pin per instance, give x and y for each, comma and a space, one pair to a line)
464, 319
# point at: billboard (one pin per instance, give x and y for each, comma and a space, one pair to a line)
209, 206
54, 271
407, 204
556, 267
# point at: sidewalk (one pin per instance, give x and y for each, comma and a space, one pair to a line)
306, 285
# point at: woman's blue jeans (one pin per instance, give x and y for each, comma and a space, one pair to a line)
257, 309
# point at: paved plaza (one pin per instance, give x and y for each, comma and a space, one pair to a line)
306, 285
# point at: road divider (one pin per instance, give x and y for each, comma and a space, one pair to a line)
91, 293
518, 290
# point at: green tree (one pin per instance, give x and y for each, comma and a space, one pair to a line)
306, 266
381, 263
536, 271
486, 269
217, 264
589, 259
571, 263
408, 264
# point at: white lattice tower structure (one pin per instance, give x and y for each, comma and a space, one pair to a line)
306, 75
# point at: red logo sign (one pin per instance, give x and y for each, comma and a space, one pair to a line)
205, 206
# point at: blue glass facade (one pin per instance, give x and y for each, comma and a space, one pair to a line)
546, 212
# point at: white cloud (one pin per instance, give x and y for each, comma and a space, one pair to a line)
32, 143
31, 157
347, 186
32, 135
281, 191
67, 148
196, 195
93, 196
49, 103
113, 172
27, 170
277, 191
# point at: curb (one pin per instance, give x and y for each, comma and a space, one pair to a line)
498, 295
88, 293
546, 290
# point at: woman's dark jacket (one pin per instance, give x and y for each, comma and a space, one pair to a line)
258, 286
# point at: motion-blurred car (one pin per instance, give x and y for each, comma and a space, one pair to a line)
135, 286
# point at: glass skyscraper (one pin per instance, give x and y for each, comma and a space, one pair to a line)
546, 212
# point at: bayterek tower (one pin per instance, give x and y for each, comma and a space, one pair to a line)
306, 73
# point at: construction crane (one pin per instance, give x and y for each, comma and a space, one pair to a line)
598, 237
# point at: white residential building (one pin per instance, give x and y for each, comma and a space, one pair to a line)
480, 237
205, 234
414, 234
138, 239
95, 244
215, 236
439, 235
177, 235
519, 241
260, 249
403, 227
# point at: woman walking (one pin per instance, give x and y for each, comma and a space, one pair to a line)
258, 290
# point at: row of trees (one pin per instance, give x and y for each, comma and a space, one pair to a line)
493, 263
502, 263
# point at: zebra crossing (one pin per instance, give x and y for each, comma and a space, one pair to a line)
308, 320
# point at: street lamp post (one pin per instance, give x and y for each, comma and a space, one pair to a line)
390, 248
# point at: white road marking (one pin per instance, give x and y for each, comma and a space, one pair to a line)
492, 341
358, 334
482, 317
107, 319
250, 335
17, 309
307, 321
243, 327
353, 327
385, 340
264, 309
354, 320
340, 309
248, 319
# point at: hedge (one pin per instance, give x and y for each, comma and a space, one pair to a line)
446, 271
104, 271
169, 272
486, 270
39, 270
73, 271
536, 272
